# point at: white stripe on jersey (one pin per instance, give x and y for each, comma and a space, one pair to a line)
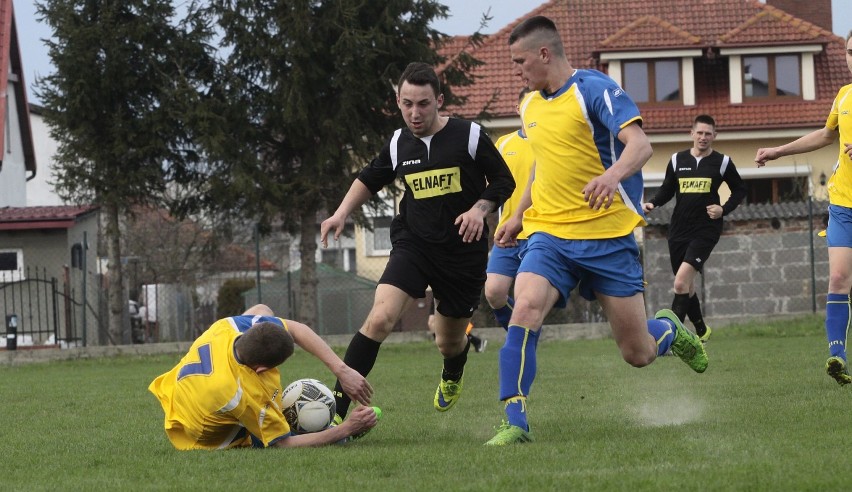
473, 140
724, 166
394, 155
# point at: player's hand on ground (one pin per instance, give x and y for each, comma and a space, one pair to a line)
647, 207
332, 223
600, 191
765, 154
355, 385
361, 419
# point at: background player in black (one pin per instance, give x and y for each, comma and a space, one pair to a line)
693, 176
453, 177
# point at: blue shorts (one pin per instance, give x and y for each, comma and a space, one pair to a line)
505, 261
607, 266
838, 234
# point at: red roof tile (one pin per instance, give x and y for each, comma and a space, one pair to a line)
35, 214
30, 218
590, 27
649, 31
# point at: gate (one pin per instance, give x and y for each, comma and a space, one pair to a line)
46, 314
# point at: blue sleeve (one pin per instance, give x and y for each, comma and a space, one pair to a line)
243, 323
608, 103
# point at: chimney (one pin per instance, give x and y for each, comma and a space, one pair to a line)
814, 11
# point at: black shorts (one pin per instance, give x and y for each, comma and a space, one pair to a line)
694, 251
456, 275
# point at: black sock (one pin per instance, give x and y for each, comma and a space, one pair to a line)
476, 341
694, 313
680, 304
454, 366
360, 355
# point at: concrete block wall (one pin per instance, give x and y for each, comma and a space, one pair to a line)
753, 271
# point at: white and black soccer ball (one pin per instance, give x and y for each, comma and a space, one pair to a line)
308, 405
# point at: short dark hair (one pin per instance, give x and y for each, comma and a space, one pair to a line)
265, 344
419, 73
529, 26
706, 119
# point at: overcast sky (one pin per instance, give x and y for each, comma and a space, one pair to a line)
464, 19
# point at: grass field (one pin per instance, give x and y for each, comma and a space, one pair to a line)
763, 417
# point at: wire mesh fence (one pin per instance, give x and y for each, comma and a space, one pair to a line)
769, 261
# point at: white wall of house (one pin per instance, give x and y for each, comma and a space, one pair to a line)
39, 190
13, 174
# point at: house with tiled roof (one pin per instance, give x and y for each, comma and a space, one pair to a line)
17, 154
767, 72
44, 254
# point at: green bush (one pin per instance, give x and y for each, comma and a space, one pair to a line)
230, 299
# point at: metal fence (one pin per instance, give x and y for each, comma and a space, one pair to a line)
769, 261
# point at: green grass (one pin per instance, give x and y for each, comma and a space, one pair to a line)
763, 417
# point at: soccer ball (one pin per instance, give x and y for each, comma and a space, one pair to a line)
308, 405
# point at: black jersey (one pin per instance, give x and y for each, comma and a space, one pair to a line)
444, 175
695, 183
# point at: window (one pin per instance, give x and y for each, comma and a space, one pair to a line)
378, 241
772, 76
776, 190
11, 265
343, 259
653, 82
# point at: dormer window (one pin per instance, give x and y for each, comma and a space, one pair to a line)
771, 76
772, 73
665, 77
656, 81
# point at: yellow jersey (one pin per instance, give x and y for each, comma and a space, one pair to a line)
212, 401
840, 118
573, 134
518, 155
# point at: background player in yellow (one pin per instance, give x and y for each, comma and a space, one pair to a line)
839, 230
226, 391
503, 262
693, 178
579, 213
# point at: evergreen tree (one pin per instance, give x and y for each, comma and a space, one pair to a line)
310, 87
119, 105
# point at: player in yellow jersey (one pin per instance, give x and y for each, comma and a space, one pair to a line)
226, 391
578, 213
503, 262
839, 230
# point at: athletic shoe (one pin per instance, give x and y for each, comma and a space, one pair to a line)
509, 434
447, 394
836, 368
354, 437
686, 344
706, 335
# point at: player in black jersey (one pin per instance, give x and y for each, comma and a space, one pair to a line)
693, 177
453, 177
